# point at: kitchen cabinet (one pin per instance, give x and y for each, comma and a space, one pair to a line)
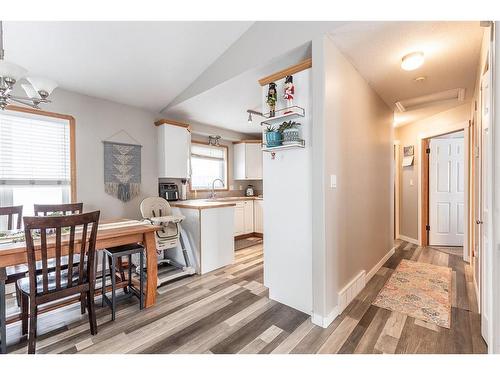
247, 160
174, 148
248, 207
258, 216
239, 219
243, 217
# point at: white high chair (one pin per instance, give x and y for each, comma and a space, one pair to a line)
157, 211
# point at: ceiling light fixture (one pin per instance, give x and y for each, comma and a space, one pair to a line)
37, 89
412, 61
249, 118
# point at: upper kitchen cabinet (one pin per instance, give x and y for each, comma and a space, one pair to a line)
248, 160
174, 143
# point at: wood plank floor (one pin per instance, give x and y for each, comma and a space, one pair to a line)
228, 311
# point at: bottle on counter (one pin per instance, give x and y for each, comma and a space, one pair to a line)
183, 189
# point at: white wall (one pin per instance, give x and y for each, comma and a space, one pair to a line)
353, 222
288, 210
96, 120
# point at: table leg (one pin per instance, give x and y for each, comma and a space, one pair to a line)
152, 268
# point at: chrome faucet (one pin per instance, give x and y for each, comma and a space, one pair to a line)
212, 195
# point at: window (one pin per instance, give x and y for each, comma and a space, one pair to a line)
207, 164
35, 160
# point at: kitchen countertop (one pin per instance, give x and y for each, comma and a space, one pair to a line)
201, 204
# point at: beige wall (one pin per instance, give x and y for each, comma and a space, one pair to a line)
96, 120
408, 135
358, 150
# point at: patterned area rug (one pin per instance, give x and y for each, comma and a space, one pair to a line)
420, 290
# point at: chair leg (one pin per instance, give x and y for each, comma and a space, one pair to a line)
113, 288
32, 329
18, 295
91, 309
24, 313
103, 279
122, 273
82, 303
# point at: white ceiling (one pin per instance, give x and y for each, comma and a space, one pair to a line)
145, 64
451, 56
226, 104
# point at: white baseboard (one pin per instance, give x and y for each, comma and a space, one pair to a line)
381, 262
349, 292
324, 322
408, 239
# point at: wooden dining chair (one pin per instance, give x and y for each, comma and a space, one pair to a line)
62, 209
10, 212
52, 286
74, 208
13, 273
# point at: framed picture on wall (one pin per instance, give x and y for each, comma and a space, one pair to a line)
408, 151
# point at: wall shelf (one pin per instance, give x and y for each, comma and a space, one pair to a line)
285, 114
302, 144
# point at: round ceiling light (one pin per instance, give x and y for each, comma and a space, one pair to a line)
412, 61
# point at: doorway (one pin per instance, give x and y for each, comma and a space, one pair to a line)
451, 224
446, 190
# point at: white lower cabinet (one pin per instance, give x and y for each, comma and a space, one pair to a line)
248, 216
258, 215
239, 219
243, 217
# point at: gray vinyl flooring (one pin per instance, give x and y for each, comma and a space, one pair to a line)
228, 311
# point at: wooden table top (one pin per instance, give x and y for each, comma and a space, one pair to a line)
107, 229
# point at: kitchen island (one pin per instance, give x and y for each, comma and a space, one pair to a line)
209, 227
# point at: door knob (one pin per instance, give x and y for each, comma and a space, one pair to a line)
478, 222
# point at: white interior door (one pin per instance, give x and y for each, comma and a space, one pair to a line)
485, 211
446, 192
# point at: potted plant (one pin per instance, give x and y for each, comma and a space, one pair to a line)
290, 132
273, 136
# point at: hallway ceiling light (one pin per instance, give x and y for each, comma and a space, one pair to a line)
412, 61
38, 89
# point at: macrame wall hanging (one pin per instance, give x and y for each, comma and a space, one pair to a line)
122, 168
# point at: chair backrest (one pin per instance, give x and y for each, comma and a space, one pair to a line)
10, 212
63, 209
81, 240
155, 207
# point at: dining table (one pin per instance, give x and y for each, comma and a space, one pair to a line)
110, 233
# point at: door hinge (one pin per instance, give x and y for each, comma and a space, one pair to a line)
427, 227
427, 150
475, 105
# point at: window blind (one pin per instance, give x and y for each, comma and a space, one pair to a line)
34, 150
207, 164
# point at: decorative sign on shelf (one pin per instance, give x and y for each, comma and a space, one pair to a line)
122, 170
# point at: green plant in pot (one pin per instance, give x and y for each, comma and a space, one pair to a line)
290, 131
273, 136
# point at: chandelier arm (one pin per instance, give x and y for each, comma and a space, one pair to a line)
32, 105
41, 100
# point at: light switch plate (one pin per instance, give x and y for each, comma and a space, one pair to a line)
333, 181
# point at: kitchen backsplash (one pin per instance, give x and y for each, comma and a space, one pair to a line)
236, 190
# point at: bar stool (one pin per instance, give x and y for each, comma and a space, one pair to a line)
115, 253
3, 320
